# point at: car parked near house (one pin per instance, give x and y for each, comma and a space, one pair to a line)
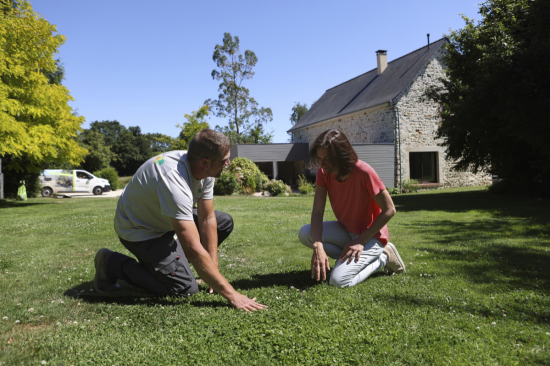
61, 180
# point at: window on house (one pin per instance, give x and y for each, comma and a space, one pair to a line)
423, 167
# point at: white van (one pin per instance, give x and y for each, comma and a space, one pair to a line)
57, 181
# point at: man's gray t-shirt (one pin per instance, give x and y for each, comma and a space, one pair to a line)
163, 187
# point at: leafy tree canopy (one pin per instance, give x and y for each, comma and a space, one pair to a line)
298, 111
36, 123
196, 121
497, 91
234, 101
99, 154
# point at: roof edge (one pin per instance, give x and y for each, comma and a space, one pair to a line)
347, 81
394, 99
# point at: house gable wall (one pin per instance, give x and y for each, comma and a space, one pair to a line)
419, 120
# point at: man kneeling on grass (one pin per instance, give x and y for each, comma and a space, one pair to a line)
362, 206
158, 203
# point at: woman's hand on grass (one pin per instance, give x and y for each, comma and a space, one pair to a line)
352, 250
319, 262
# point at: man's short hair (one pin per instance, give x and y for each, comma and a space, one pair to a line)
208, 144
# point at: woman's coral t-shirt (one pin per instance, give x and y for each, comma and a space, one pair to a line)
352, 201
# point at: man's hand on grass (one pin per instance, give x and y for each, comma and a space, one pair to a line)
319, 262
242, 302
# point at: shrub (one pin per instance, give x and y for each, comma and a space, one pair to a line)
123, 181
110, 174
14, 178
410, 185
226, 184
304, 186
393, 191
248, 172
261, 180
276, 187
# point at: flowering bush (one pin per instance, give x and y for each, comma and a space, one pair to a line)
248, 173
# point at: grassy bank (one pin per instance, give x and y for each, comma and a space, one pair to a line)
476, 289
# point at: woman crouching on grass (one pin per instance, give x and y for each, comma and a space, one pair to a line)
362, 206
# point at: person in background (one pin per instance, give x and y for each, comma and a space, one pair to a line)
362, 206
157, 203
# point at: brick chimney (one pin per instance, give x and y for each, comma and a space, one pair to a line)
381, 60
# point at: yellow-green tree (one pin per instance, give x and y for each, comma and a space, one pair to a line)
196, 121
36, 123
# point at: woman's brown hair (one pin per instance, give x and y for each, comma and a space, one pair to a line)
340, 152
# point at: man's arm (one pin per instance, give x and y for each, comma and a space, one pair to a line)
208, 228
202, 262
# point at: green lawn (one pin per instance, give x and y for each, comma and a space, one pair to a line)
476, 289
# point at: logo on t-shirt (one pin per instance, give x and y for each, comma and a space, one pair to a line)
159, 160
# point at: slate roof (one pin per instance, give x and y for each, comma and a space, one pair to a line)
369, 89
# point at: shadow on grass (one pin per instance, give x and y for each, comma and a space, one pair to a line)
21, 204
498, 205
298, 279
130, 295
518, 311
475, 250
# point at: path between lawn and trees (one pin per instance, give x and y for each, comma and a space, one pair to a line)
476, 289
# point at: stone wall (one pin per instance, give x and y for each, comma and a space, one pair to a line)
374, 126
419, 121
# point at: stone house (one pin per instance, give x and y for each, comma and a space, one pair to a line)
389, 124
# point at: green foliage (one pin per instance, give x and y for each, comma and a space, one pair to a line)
248, 172
298, 111
393, 191
161, 143
123, 182
276, 187
495, 97
226, 184
410, 185
472, 305
36, 121
245, 117
99, 154
13, 178
110, 174
261, 180
304, 186
196, 121
131, 147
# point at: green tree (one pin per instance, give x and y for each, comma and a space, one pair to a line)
497, 92
196, 121
234, 101
130, 146
298, 111
99, 154
161, 143
36, 123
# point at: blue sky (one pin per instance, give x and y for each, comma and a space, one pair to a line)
146, 63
